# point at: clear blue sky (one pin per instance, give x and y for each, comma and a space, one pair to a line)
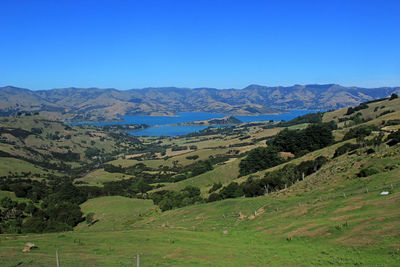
188, 43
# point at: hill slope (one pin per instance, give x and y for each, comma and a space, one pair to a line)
327, 219
334, 216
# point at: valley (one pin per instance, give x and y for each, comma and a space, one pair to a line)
301, 192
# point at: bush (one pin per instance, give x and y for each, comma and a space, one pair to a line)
178, 177
214, 197
34, 225
194, 157
233, 190
167, 199
89, 218
394, 138
364, 130
198, 167
367, 172
179, 148
393, 96
347, 147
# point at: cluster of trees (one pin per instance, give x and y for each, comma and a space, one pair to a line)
142, 172
343, 149
307, 118
167, 199
385, 112
132, 187
197, 168
16, 132
232, 190
53, 206
363, 130
351, 110
290, 174
131, 170
179, 148
68, 156
300, 142
275, 180
391, 122
260, 158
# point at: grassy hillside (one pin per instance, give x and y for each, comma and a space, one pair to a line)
9, 166
336, 216
99, 176
224, 174
330, 218
115, 213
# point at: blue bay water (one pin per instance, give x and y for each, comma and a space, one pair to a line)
161, 124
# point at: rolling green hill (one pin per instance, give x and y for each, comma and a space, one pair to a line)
327, 219
337, 215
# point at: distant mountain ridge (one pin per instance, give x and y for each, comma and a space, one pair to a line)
94, 104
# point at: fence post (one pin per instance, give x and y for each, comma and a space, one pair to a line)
57, 259
137, 260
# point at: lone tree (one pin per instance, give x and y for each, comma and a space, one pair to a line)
393, 96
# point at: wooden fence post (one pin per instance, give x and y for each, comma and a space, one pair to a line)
137, 260
57, 259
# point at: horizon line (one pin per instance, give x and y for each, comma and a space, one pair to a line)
197, 88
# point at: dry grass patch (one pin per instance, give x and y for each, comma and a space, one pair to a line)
348, 208
311, 230
295, 212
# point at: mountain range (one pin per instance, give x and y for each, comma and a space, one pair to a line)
94, 104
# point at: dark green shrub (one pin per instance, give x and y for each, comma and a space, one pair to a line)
364, 130
367, 172
394, 138
345, 148
232, 190
214, 197
194, 157
393, 96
